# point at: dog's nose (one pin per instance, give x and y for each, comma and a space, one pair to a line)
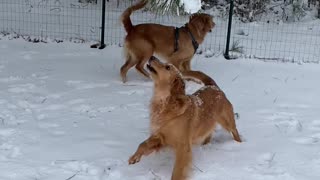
152, 58
213, 25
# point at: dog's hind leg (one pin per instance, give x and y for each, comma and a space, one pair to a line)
229, 124
140, 67
235, 135
125, 68
207, 140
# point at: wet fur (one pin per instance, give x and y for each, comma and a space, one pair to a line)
179, 120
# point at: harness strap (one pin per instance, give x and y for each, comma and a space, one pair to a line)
176, 39
195, 44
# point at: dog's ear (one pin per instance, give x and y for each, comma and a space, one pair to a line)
178, 86
197, 21
208, 23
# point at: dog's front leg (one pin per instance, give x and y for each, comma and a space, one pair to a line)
153, 143
183, 162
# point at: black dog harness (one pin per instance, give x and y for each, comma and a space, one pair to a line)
176, 38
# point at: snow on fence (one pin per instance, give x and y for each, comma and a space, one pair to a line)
80, 21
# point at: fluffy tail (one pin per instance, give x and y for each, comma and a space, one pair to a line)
125, 17
199, 77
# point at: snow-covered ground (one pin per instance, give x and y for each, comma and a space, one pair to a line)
64, 114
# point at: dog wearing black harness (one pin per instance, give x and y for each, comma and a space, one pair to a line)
174, 45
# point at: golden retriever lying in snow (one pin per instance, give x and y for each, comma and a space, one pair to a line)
179, 120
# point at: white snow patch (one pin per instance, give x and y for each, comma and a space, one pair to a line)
6, 132
86, 121
191, 6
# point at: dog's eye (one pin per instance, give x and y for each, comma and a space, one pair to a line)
168, 68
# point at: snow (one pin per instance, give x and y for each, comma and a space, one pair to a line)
64, 114
191, 6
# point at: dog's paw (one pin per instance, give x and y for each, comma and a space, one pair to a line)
134, 159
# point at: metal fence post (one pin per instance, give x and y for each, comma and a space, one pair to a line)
102, 45
226, 54
319, 9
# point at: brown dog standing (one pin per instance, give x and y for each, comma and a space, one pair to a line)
179, 120
145, 40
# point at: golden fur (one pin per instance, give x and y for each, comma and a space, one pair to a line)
179, 120
145, 40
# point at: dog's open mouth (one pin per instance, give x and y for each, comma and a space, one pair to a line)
151, 69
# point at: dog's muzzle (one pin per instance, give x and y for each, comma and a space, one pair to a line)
149, 67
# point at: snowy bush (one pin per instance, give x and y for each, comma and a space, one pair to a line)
293, 10
176, 6
248, 10
268, 10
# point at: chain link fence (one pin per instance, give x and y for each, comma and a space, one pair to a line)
286, 30
40, 20
80, 20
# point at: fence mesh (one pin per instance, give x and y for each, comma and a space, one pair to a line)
54, 19
277, 29
298, 41
78, 22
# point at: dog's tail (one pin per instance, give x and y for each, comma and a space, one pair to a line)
199, 77
125, 17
